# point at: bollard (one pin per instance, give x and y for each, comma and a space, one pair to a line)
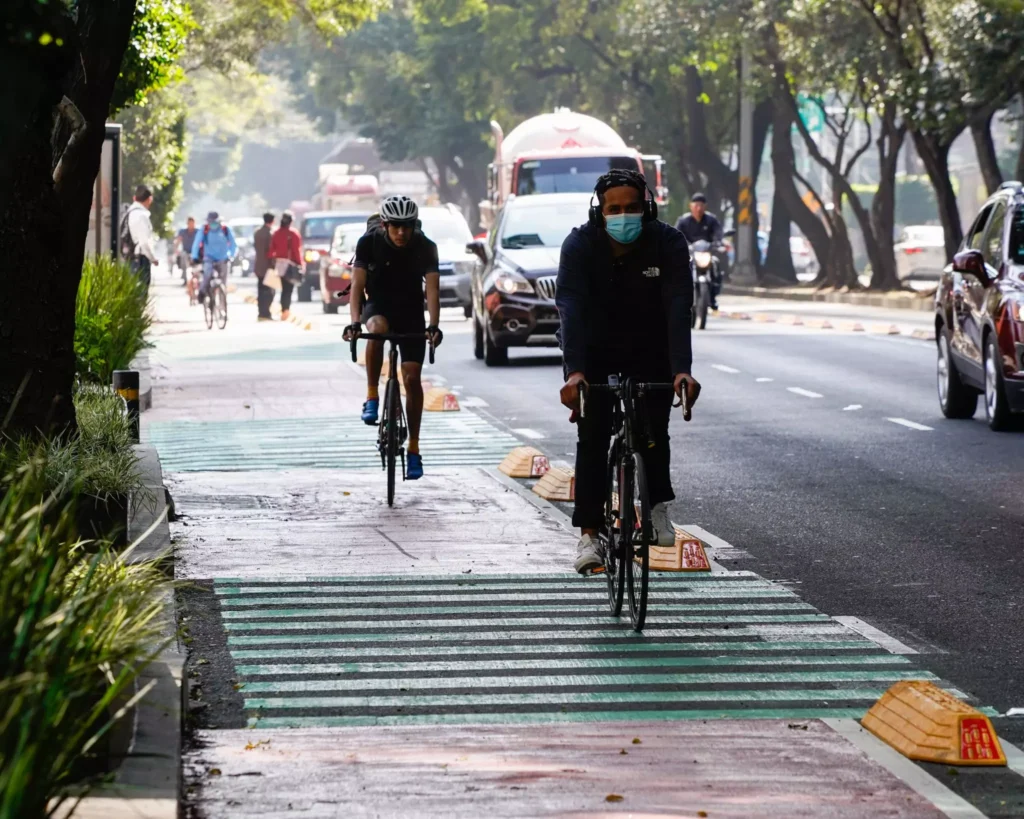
126, 384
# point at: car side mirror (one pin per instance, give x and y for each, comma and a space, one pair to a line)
972, 262
479, 249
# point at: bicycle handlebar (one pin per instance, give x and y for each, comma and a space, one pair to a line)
395, 337
642, 386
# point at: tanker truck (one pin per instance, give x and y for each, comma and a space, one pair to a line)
560, 152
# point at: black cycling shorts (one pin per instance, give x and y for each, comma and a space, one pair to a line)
407, 320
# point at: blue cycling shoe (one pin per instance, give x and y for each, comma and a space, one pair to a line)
370, 409
414, 467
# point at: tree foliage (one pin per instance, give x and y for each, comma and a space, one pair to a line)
159, 35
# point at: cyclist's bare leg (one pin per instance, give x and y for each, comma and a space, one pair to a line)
374, 355
413, 402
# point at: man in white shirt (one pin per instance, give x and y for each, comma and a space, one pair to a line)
140, 235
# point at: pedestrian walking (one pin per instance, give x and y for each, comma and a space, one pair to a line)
286, 253
136, 236
261, 245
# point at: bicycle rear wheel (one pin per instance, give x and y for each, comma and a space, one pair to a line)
208, 308
220, 306
393, 401
614, 565
638, 543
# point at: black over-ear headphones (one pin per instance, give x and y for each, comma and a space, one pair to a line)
623, 178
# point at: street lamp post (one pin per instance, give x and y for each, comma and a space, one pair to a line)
745, 271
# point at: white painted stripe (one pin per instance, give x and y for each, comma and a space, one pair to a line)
1014, 756
526, 432
804, 393
903, 422
853, 407
473, 401
890, 644
764, 380
899, 766
725, 369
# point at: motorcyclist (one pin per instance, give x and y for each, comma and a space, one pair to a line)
698, 224
215, 246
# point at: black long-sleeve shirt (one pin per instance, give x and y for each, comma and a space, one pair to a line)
630, 312
708, 228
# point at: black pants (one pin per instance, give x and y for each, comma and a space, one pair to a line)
264, 298
594, 433
142, 268
286, 294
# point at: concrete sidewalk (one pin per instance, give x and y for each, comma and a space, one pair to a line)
440, 658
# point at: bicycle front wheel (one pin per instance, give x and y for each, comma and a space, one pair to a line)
614, 565
208, 309
639, 539
393, 401
220, 307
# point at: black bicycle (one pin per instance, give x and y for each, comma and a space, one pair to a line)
626, 533
392, 431
215, 305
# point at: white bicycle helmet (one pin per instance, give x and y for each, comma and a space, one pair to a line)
399, 209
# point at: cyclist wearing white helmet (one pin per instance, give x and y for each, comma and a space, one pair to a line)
392, 261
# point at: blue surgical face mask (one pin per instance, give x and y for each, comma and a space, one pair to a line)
624, 227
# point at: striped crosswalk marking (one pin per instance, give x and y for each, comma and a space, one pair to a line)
447, 439
444, 650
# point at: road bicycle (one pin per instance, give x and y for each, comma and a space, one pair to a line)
626, 533
391, 432
215, 304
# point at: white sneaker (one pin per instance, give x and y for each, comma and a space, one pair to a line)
664, 531
589, 555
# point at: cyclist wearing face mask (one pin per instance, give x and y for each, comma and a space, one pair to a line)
624, 296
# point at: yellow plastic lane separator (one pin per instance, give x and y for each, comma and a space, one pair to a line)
685, 555
557, 484
438, 399
925, 723
525, 462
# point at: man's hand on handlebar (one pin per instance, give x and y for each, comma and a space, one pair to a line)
692, 387
570, 392
353, 331
435, 335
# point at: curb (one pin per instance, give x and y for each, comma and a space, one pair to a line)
294, 318
793, 320
900, 301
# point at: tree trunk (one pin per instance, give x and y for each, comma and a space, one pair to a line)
720, 177
981, 133
883, 203
1019, 175
934, 155
778, 262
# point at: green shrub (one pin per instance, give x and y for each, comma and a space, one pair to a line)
111, 319
75, 630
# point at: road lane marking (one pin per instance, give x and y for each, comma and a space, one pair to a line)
764, 380
853, 407
474, 402
804, 393
526, 432
903, 422
725, 369
890, 644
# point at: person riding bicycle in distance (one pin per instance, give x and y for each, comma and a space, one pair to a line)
214, 246
624, 296
392, 261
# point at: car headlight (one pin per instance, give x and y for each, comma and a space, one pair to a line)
1017, 310
311, 255
509, 281
463, 268
702, 258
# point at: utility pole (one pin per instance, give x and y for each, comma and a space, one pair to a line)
745, 271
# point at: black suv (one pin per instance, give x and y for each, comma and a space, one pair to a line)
979, 315
513, 290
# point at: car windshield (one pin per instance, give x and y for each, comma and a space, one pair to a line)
541, 225
572, 175
1017, 237
322, 227
441, 230
243, 231
346, 236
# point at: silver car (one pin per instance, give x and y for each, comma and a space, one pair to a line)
447, 228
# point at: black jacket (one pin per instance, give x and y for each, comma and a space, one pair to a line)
592, 309
709, 228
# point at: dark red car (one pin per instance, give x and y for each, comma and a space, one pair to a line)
979, 315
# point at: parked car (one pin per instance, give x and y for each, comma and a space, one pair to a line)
448, 229
244, 227
920, 252
513, 290
804, 261
979, 315
336, 267
317, 231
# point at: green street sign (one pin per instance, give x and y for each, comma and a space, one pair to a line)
810, 114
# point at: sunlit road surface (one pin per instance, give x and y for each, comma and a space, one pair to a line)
859, 539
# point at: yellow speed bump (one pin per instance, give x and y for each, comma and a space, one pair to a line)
525, 462
438, 399
925, 723
557, 484
686, 555
818, 324
766, 318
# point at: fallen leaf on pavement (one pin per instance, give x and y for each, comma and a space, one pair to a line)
636, 741
702, 813
624, 752
253, 745
214, 771
613, 797
799, 726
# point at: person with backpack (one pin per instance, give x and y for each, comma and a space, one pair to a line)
136, 236
286, 254
215, 247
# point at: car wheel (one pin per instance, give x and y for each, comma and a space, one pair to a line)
494, 356
997, 408
478, 339
956, 399
467, 310
304, 293
331, 309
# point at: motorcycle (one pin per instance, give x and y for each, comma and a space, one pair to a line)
703, 267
